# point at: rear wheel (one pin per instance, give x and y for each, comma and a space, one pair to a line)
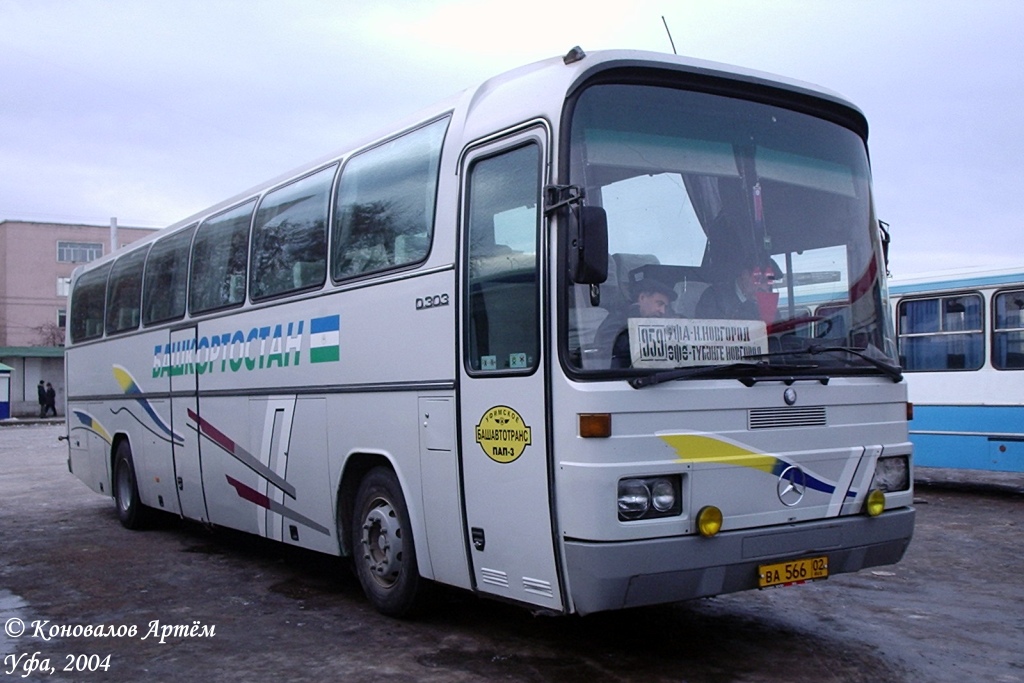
130, 510
383, 549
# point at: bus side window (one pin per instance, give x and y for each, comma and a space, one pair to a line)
504, 216
1008, 331
124, 292
164, 285
289, 237
87, 303
384, 213
219, 256
941, 333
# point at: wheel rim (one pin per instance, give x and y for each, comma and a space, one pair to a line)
381, 541
124, 487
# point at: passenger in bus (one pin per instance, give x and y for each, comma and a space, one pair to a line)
743, 291
653, 299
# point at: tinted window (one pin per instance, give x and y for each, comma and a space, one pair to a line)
219, 259
385, 205
87, 303
124, 292
164, 287
289, 238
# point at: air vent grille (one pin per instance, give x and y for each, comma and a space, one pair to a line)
780, 418
495, 577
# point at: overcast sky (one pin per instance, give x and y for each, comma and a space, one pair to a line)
152, 110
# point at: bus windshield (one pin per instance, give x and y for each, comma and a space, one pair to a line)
737, 231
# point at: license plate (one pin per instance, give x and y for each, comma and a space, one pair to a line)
795, 571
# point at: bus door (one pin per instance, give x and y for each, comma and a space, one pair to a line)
184, 420
504, 457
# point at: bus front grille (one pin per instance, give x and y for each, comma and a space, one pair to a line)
778, 418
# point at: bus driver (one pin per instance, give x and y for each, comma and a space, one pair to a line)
653, 298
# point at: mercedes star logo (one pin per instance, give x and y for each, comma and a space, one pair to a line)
792, 486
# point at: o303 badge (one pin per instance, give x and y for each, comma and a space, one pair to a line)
502, 434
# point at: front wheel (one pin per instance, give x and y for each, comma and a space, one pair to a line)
383, 549
130, 510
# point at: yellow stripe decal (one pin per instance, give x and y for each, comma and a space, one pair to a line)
703, 448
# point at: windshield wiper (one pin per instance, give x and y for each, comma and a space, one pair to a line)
687, 373
893, 372
758, 364
683, 373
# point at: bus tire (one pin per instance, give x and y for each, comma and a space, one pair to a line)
130, 510
383, 550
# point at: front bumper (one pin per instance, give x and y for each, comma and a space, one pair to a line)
604, 576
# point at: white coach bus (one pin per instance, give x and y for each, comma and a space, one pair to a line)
540, 344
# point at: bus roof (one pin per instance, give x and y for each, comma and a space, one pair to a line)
955, 279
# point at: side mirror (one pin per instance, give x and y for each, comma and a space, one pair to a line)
588, 245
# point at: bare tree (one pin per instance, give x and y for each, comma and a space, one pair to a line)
49, 334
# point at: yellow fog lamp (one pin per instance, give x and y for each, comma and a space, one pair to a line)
709, 521
875, 504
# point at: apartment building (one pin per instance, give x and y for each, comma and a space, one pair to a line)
36, 262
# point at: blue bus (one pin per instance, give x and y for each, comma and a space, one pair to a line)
960, 336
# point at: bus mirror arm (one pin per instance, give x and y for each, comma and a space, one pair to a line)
886, 238
558, 196
587, 233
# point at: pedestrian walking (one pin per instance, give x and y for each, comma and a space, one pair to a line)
42, 398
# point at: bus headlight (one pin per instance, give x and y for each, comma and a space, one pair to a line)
892, 474
648, 498
634, 499
663, 495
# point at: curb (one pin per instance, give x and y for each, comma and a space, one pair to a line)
25, 421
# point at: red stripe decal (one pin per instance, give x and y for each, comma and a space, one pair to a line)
215, 435
248, 493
